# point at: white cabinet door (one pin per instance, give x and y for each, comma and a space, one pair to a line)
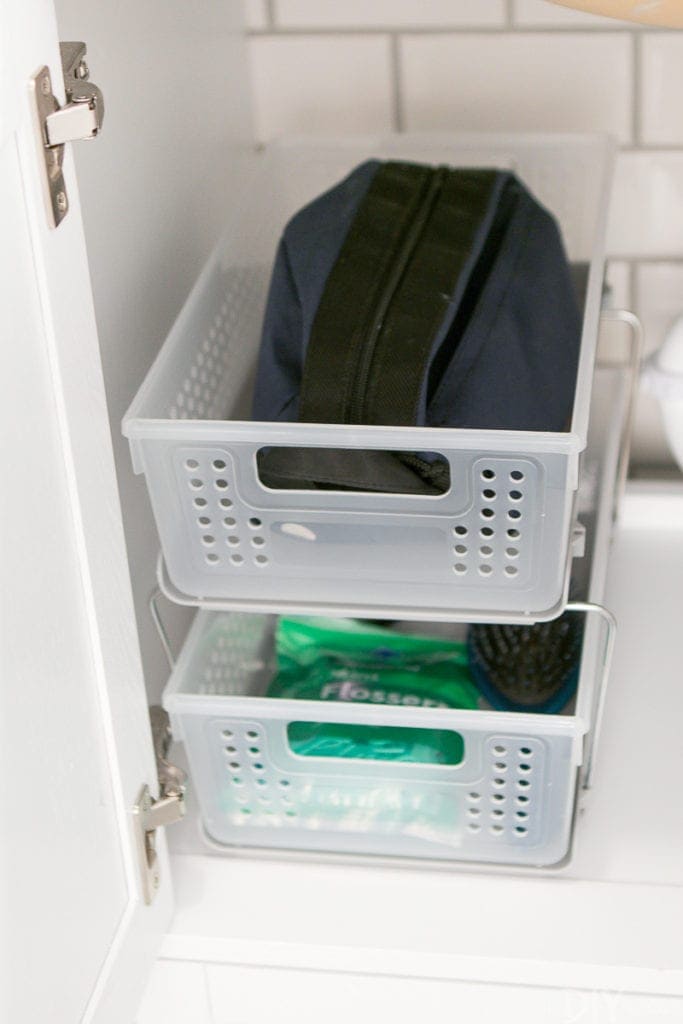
76, 939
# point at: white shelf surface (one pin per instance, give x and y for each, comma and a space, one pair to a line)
611, 919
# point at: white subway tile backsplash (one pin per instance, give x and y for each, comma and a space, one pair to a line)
646, 217
321, 84
394, 13
518, 82
662, 88
542, 13
256, 14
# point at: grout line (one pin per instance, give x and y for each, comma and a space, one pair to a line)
651, 147
270, 13
636, 87
636, 258
438, 30
396, 85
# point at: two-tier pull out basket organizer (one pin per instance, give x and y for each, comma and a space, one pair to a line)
245, 553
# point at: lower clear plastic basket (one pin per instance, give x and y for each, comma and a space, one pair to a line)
508, 796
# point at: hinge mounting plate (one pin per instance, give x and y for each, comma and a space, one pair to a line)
80, 118
150, 814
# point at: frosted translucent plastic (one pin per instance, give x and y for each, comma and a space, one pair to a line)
510, 800
497, 545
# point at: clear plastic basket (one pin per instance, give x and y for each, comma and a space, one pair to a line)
508, 798
496, 545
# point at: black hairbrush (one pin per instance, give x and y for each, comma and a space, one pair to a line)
527, 668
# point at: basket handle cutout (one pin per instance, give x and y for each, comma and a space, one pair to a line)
402, 744
359, 470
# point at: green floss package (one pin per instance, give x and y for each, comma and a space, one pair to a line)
347, 660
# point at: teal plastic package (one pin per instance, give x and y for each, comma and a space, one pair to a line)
351, 661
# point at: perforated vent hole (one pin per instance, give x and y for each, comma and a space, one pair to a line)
236, 559
233, 540
221, 484
474, 811
200, 502
473, 827
500, 750
225, 503
460, 568
488, 494
488, 474
488, 513
516, 474
485, 570
261, 560
212, 559
514, 513
487, 531
460, 531
196, 483
255, 523
229, 522
257, 541
460, 549
474, 796
512, 552
191, 464
485, 551
510, 570
513, 533
496, 829
218, 465
515, 495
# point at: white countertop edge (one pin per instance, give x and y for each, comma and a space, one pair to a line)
616, 936
625, 979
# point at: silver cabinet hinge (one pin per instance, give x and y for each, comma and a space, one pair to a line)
150, 814
80, 118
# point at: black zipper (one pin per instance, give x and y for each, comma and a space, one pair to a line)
355, 403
